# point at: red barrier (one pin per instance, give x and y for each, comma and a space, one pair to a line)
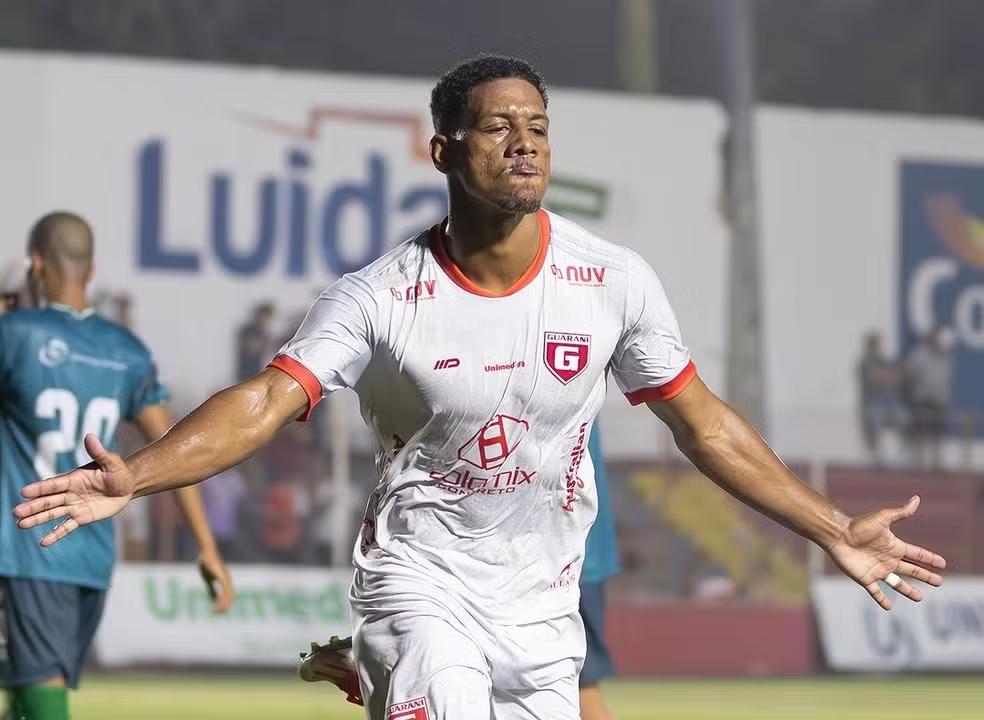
688, 639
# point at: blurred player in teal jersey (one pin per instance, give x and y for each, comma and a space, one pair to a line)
65, 372
600, 563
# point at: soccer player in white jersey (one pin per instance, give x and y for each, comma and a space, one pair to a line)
480, 351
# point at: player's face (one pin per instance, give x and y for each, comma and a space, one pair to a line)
506, 158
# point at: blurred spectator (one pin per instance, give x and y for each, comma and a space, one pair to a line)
928, 388
223, 496
254, 342
878, 381
284, 517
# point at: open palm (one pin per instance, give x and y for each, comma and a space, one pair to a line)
869, 551
85, 495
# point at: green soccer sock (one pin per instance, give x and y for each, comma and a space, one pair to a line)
39, 702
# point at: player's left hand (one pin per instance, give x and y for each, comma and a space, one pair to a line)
217, 580
868, 552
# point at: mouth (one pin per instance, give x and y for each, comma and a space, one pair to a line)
523, 168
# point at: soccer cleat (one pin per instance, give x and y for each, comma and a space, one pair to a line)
332, 662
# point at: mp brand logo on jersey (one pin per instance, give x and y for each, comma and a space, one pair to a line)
53, 353
566, 354
409, 710
497, 440
447, 364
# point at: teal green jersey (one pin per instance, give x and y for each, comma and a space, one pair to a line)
63, 374
601, 549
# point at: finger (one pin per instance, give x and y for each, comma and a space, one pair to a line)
42, 517
919, 573
48, 502
914, 553
906, 511
226, 596
208, 576
874, 589
96, 450
903, 588
60, 532
50, 486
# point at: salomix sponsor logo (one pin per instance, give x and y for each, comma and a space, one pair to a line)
489, 449
941, 280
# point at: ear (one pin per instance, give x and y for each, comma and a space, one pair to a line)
441, 153
37, 264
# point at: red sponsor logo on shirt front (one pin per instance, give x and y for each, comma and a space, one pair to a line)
415, 709
494, 442
566, 354
487, 450
572, 479
587, 275
424, 290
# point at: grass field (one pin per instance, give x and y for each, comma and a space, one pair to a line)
217, 697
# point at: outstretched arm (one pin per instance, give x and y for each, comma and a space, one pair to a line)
726, 448
222, 432
154, 421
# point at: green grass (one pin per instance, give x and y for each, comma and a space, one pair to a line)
219, 697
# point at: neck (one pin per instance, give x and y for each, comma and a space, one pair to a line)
69, 296
491, 247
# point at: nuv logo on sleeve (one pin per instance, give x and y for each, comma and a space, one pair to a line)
941, 267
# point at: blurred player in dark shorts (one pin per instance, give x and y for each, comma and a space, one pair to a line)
600, 562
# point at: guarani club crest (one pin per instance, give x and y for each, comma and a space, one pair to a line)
566, 354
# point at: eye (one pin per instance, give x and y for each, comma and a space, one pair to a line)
538, 130
498, 129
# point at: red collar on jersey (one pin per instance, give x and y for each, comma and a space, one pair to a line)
461, 280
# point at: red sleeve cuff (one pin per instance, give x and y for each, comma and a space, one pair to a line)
304, 377
666, 391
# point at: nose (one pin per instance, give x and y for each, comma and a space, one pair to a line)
522, 144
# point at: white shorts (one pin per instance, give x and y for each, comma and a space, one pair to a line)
427, 663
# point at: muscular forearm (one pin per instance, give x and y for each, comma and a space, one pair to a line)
732, 454
222, 432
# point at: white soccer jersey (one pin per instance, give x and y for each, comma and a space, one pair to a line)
482, 405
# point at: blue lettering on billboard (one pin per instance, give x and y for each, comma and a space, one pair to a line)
941, 268
285, 208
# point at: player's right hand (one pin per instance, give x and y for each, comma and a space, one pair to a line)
332, 662
85, 495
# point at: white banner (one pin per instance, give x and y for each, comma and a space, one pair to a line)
213, 187
943, 632
162, 614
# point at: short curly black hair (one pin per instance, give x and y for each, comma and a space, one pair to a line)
449, 98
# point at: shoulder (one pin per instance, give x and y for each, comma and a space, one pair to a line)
395, 268
576, 241
119, 337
